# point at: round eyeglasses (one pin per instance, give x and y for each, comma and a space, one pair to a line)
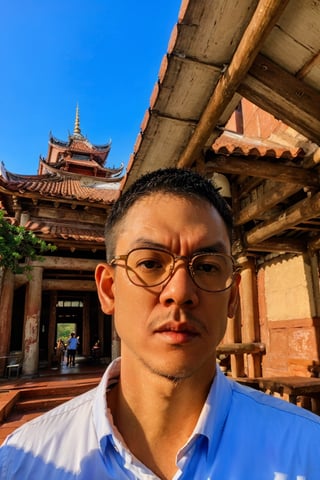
149, 267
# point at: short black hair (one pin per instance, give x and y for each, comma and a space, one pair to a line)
177, 181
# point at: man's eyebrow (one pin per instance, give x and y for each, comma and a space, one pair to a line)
218, 247
145, 242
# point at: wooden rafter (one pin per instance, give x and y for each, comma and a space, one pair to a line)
302, 211
279, 246
262, 203
262, 168
263, 20
284, 96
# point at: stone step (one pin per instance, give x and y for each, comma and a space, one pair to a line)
25, 399
40, 404
8, 401
71, 390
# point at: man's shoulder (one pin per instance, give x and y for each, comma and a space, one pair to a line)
54, 444
258, 402
59, 419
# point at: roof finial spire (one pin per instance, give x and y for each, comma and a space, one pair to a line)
77, 130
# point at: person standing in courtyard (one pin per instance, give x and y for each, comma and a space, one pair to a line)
60, 351
72, 344
164, 410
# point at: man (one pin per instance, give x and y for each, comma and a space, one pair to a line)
164, 410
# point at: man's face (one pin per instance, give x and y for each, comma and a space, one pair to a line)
172, 329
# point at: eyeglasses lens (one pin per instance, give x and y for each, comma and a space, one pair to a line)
211, 272
147, 267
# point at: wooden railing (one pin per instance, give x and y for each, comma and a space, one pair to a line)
234, 358
241, 348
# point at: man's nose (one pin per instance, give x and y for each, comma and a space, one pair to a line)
180, 288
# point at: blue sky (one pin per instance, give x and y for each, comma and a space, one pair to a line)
104, 55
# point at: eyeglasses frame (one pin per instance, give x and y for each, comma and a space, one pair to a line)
189, 259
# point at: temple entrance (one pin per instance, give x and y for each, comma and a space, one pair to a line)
69, 318
66, 311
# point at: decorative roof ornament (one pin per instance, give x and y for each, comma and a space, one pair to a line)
77, 130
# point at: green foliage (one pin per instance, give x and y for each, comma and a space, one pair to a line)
20, 245
64, 331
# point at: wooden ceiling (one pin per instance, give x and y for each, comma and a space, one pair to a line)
268, 52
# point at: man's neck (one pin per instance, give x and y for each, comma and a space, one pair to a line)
156, 415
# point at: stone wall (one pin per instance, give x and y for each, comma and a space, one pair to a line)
288, 293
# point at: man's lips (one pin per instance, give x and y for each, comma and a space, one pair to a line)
177, 332
177, 327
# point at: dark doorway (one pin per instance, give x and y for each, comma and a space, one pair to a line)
69, 315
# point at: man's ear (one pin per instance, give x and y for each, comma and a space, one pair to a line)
234, 296
104, 281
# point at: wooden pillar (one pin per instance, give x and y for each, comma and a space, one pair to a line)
6, 302
248, 301
85, 340
32, 322
52, 324
233, 335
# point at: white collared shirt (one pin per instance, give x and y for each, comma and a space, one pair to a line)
241, 434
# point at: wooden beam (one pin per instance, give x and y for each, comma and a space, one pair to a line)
314, 245
72, 245
286, 85
57, 263
271, 102
306, 69
312, 159
284, 96
241, 348
247, 185
261, 168
264, 202
301, 211
280, 246
262, 21
73, 285
66, 214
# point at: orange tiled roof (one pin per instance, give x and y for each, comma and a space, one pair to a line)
230, 143
64, 187
110, 174
79, 143
66, 231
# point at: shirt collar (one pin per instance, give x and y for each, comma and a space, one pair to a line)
102, 420
213, 415
107, 433
210, 423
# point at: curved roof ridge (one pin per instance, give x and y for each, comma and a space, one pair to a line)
54, 141
66, 174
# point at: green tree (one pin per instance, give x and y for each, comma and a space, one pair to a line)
19, 245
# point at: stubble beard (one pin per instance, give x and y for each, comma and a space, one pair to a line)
175, 378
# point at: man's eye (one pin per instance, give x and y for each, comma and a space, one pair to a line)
206, 267
149, 264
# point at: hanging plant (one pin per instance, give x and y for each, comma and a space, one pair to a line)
18, 245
